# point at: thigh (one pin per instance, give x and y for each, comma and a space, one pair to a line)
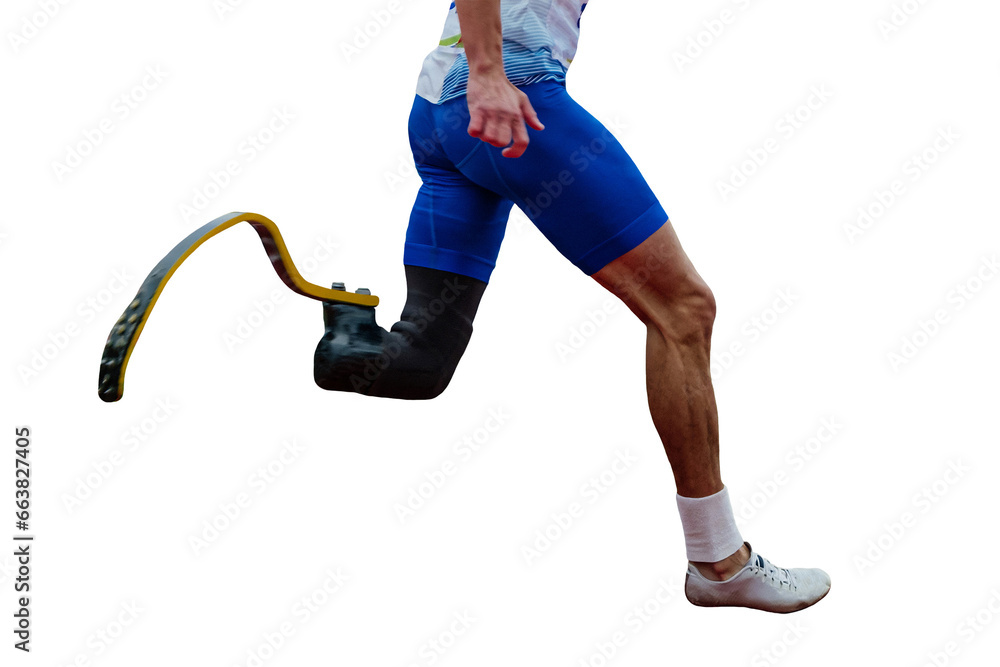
575, 182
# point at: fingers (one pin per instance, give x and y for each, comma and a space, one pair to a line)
489, 128
476, 124
500, 128
520, 131
520, 141
528, 112
497, 133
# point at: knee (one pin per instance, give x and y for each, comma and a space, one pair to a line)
706, 307
685, 313
420, 364
394, 369
415, 359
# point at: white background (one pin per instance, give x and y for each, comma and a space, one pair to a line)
340, 173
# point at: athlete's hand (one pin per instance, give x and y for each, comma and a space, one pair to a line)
498, 112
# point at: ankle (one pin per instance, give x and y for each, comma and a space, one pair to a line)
714, 572
710, 531
725, 568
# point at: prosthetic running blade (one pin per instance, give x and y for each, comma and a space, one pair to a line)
125, 333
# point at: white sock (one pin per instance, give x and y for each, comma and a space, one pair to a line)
710, 530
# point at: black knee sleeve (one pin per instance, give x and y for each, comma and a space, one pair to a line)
417, 357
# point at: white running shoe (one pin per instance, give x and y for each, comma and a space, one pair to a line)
759, 585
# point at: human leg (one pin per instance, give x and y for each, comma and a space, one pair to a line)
452, 242
658, 282
417, 357
584, 193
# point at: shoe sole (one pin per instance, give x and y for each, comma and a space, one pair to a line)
741, 606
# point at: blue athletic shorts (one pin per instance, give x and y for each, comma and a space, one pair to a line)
575, 182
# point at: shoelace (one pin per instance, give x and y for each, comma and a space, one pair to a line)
780, 576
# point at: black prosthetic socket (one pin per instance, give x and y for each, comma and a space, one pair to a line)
417, 357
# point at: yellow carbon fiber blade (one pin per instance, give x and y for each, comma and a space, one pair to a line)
122, 339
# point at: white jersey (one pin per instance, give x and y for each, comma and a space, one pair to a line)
539, 43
